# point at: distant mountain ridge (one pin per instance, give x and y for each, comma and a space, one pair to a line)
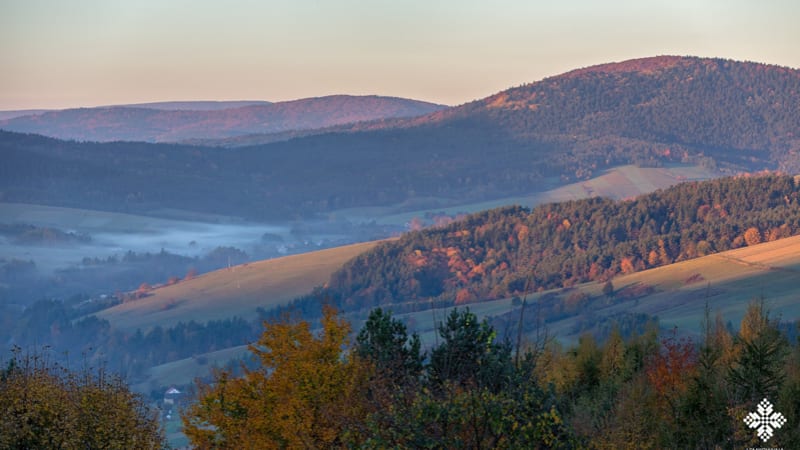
728, 117
179, 121
5, 115
193, 105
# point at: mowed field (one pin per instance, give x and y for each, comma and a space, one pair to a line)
236, 291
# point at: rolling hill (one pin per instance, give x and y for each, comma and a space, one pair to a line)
236, 291
725, 116
6, 115
179, 121
512, 250
676, 294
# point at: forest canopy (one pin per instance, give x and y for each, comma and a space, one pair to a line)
513, 250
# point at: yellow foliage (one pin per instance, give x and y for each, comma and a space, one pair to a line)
303, 395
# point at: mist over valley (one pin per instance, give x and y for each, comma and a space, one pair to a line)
597, 211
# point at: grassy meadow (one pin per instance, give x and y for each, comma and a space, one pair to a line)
234, 291
678, 293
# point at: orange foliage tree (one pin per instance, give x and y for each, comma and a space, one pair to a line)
303, 395
752, 236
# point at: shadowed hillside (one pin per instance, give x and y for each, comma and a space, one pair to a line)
726, 116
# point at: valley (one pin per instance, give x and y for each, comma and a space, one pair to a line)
676, 295
618, 201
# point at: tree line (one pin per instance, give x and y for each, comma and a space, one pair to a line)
513, 250
474, 390
69, 334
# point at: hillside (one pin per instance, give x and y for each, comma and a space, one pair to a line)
236, 291
727, 117
560, 257
179, 121
511, 251
676, 294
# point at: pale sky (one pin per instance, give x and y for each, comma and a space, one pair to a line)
72, 53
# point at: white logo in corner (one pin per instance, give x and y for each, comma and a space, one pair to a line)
765, 421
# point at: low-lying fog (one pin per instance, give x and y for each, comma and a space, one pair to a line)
183, 238
90, 251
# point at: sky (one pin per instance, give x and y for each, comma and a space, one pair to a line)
80, 53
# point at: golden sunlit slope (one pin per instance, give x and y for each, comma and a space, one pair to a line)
236, 291
676, 293
728, 281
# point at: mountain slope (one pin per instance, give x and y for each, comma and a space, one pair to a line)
728, 281
178, 121
675, 294
723, 115
236, 291
511, 251
726, 116
724, 109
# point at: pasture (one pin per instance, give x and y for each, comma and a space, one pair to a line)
234, 291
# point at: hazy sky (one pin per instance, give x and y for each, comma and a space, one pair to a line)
69, 53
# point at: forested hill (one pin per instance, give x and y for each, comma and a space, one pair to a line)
509, 251
732, 116
654, 109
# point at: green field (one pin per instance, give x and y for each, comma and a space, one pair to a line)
236, 291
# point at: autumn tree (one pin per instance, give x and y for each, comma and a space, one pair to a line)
143, 290
752, 236
303, 395
46, 405
669, 372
